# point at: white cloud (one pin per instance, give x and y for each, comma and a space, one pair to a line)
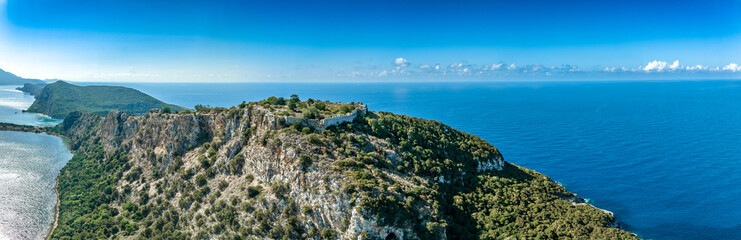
696, 68
675, 65
616, 69
401, 62
657, 66
401, 67
732, 67
512, 67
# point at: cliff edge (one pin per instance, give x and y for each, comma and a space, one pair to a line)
246, 172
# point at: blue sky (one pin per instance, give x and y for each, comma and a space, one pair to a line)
86, 40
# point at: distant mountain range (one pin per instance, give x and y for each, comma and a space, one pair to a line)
7, 78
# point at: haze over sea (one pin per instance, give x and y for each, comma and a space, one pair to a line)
663, 156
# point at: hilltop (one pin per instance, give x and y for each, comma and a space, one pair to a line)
247, 172
61, 98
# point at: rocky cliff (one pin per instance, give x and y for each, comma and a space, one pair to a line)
245, 173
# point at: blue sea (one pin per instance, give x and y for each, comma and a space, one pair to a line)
663, 156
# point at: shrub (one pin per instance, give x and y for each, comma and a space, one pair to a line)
280, 190
320, 106
201, 180
306, 130
328, 233
236, 163
346, 108
314, 139
310, 114
223, 185
253, 191
305, 161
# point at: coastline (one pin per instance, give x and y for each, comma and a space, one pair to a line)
56, 189
40, 130
56, 208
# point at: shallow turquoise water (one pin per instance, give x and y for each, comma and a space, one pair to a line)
12, 104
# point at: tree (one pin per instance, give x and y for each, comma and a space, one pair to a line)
320, 106
294, 98
201, 108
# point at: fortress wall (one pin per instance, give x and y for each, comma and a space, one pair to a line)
340, 119
327, 122
291, 120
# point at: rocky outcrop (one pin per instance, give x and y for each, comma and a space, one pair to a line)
157, 140
246, 172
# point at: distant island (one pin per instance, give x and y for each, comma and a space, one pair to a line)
291, 169
59, 99
7, 78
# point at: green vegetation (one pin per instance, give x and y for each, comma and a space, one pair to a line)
515, 202
309, 109
417, 175
33, 89
19, 128
60, 98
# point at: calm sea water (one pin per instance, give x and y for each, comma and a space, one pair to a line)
665, 157
29, 165
12, 104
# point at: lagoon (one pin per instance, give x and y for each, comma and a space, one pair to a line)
29, 165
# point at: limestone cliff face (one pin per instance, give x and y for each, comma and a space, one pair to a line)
244, 173
159, 142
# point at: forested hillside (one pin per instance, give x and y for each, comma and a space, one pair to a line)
243, 172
